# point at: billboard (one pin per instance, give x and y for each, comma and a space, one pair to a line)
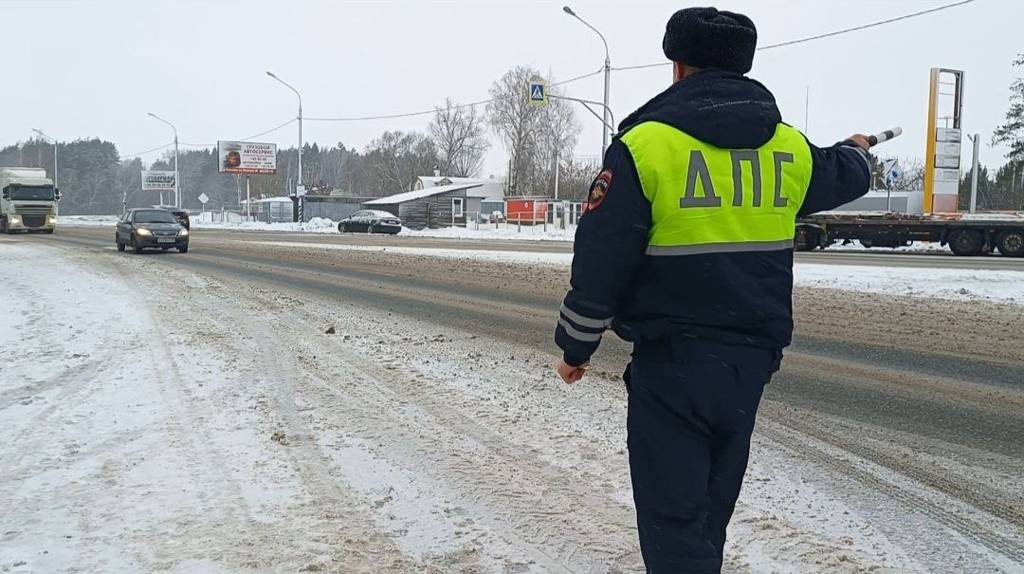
157, 180
248, 158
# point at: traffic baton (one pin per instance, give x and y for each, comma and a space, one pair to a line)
884, 136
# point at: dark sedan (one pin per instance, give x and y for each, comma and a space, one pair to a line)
150, 229
180, 214
369, 221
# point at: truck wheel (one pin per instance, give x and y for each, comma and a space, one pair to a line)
966, 242
1011, 243
806, 239
3, 225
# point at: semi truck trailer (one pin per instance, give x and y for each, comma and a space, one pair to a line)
28, 200
963, 233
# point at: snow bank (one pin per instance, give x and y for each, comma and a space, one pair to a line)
315, 225
954, 284
502, 231
87, 220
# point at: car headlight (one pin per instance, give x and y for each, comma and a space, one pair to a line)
52, 219
15, 219
143, 231
183, 232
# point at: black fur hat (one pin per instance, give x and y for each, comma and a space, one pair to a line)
710, 38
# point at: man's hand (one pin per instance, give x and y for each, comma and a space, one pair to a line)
569, 373
861, 140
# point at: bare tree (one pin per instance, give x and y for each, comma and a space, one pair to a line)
558, 134
909, 174
577, 174
458, 134
532, 135
398, 158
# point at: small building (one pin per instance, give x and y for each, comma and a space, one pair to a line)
271, 209
432, 207
491, 191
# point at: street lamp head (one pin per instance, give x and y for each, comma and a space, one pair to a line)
271, 74
568, 10
151, 114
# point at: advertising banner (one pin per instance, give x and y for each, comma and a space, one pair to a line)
157, 180
247, 158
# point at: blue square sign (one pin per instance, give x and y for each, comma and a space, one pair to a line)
538, 93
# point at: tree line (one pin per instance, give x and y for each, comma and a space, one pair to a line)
94, 179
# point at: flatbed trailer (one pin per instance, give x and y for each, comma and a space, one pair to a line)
964, 233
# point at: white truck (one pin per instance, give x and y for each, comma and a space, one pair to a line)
28, 200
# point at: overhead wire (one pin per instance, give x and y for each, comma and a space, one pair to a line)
148, 151
827, 34
434, 110
588, 75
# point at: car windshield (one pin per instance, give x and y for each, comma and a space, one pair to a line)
32, 193
154, 216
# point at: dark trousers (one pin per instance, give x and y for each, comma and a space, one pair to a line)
691, 413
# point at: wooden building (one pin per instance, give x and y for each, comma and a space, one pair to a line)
432, 207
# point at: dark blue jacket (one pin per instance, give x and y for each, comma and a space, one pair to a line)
733, 298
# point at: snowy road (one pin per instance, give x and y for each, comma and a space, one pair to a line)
189, 414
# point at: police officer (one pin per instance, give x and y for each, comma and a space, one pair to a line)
687, 251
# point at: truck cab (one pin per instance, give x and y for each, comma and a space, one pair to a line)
28, 200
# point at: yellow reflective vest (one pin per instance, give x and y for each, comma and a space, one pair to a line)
706, 199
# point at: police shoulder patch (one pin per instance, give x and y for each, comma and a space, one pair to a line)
599, 189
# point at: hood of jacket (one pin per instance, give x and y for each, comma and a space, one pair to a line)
724, 109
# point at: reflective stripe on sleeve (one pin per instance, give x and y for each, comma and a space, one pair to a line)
585, 321
577, 334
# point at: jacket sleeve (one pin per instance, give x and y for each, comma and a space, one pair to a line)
841, 174
610, 244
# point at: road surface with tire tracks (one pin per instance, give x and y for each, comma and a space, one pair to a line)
916, 404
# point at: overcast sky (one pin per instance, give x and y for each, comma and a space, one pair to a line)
94, 68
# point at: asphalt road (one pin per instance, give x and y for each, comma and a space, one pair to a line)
927, 413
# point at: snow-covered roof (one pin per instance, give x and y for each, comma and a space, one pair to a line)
433, 180
421, 193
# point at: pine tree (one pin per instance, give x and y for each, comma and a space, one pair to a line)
1012, 131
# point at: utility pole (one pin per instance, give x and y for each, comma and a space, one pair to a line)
299, 190
807, 110
974, 172
177, 181
41, 134
556, 173
606, 131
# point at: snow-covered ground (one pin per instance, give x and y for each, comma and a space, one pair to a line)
321, 225
954, 284
168, 421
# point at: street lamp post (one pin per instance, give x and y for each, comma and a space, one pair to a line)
177, 183
41, 134
298, 95
607, 77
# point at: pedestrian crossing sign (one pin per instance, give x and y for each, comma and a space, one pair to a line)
538, 93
